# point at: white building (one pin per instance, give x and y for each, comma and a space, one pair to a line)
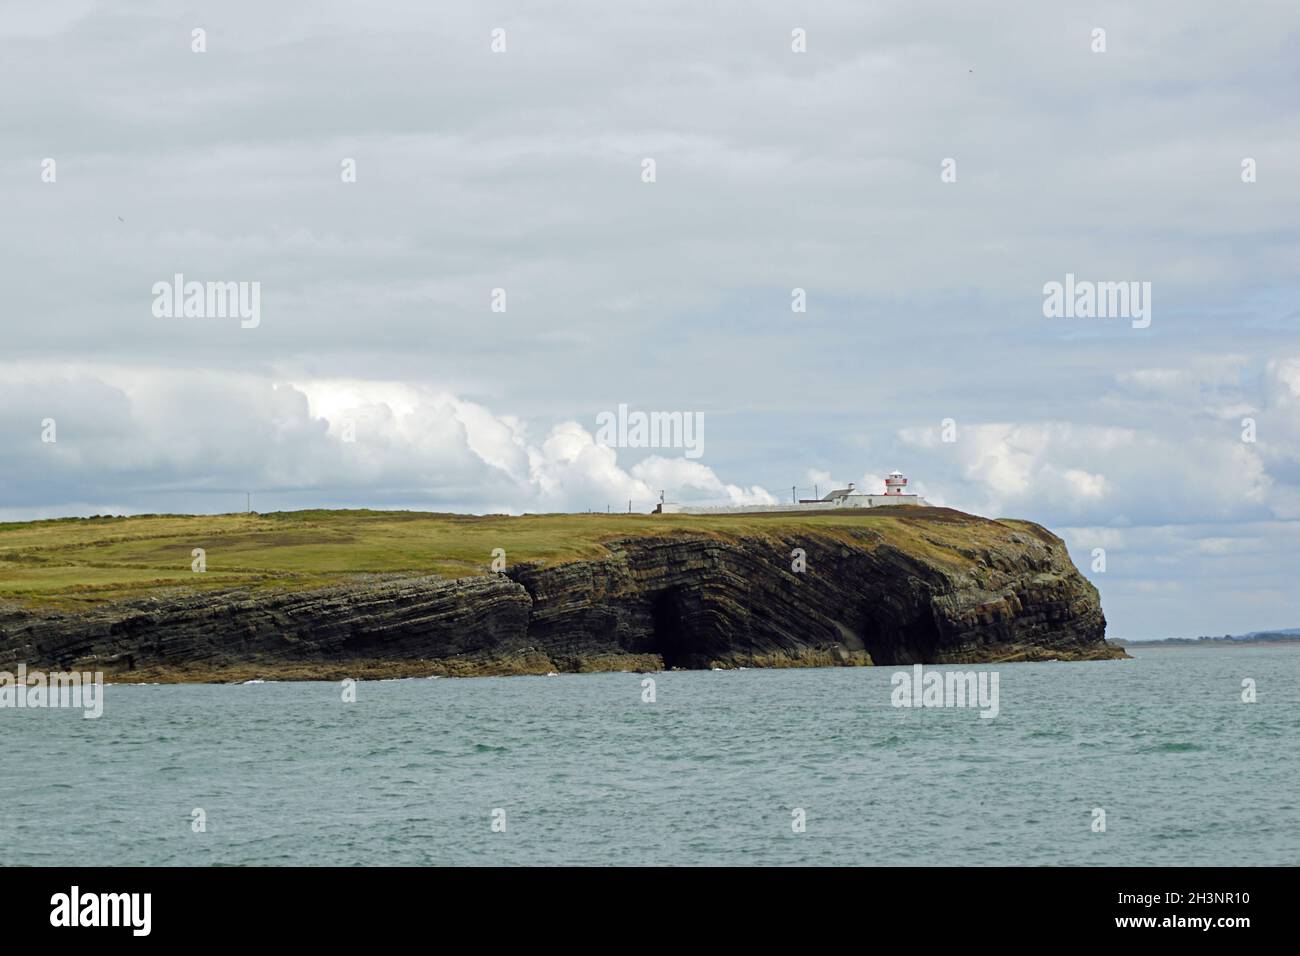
895, 494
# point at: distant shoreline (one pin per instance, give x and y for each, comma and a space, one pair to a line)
1177, 642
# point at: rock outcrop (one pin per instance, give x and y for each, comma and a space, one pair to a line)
675, 599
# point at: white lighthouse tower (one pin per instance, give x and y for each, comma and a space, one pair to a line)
896, 483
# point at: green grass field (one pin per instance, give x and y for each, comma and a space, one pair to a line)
71, 562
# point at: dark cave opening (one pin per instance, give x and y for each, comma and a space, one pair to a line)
901, 640
668, 629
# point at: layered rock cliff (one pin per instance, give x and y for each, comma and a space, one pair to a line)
961, 589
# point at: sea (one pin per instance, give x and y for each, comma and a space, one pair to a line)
1156, 760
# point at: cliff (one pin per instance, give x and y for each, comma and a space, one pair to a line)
935, 586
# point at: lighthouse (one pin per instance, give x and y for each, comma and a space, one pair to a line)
896, 483
896, 494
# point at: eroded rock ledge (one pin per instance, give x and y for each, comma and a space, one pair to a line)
682, 599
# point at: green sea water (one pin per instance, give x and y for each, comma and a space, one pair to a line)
713, 772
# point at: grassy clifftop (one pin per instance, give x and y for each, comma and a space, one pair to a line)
70, 563
323, 594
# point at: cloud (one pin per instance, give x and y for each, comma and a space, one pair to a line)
159, 440
1100, 474
690, 481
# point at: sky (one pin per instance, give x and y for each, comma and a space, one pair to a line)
462, 259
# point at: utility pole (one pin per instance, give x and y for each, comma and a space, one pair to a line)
794, 497
248, 502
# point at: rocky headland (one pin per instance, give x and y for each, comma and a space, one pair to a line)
953, 588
